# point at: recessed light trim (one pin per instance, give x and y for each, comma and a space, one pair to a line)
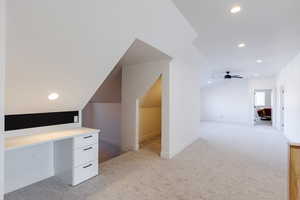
53, 96
235, 9
259, 61
241, 45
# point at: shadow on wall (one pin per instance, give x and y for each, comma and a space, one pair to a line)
104, 112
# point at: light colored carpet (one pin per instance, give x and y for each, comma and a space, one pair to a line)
228, 162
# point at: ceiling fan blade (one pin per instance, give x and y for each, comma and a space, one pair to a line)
236, 76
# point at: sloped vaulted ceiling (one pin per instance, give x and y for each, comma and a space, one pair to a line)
111, 89
153, 96
70, 46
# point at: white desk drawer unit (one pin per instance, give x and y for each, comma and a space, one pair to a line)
77, 159
85, 140
85, 158
85, 154
85, 172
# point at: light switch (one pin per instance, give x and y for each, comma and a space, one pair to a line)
76, 119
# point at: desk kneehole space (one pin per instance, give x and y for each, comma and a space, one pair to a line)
71, 155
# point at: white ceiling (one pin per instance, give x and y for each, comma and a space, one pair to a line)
140, 52
270, 29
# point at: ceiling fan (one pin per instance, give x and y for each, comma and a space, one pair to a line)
229, 76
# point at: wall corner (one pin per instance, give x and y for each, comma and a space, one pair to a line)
2, 78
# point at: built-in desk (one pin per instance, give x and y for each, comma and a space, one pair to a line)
71, 155
23, 141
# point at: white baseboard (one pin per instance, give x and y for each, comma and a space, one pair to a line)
165, 155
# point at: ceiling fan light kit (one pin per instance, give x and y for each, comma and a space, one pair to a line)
229, 76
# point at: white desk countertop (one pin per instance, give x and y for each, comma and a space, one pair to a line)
17, 142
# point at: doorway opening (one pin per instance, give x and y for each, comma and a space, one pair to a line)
150, 118
263, 107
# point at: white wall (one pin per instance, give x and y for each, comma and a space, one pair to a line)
2, 72
289, 79
232, 100
262, 83
107, 118
136, 81
184, 105
227, 102
71, 50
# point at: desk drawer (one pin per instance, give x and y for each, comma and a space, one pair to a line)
85, 154
85, 140
85, 172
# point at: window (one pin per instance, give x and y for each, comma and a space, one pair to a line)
260, 98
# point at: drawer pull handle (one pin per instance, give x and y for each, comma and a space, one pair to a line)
87, 137
88, 149
88, 166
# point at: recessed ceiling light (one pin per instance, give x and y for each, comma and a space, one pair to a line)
259, 61
241, 45
209, 82
235, 9
53, 96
